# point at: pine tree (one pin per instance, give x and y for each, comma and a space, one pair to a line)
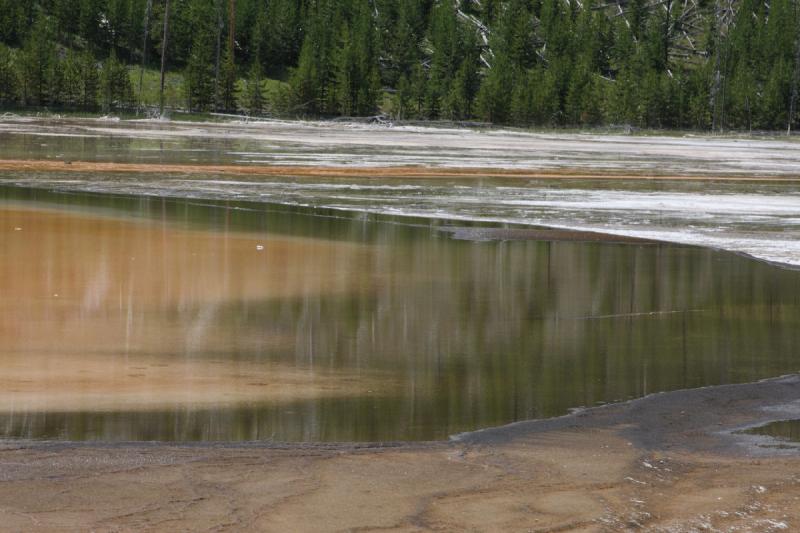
13, 22
90, 77
357, 81
118, 27
227, 92
9, 82
402, 52
522, 98
445, 58
314, 81
37, 56
494, 95
115, 84
514, 38
90, 13
306, 83
417, 89
454, 44
778, 59
620, 94
459, 102
281, 35
56, 87
546, 62
489, 10
199, 74
546, 97
72, 81
347, 75
585, 98
584, 101
252, 98
402, 100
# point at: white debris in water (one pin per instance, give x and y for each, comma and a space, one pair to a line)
259, 247
635, 481
774, 524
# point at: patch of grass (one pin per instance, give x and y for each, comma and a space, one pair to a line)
174, 93
175, 96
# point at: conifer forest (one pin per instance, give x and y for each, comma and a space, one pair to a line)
675, 64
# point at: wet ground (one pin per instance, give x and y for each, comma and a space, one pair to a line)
779, 432
671, 462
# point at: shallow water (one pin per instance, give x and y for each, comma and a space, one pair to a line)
781, 430
136, 318
347, 145
760, 218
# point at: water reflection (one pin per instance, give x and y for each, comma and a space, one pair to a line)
127, 319
782, 430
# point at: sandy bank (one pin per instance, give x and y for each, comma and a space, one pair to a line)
668, 462
406, 172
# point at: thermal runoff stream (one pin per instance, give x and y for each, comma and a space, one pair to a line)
181, 305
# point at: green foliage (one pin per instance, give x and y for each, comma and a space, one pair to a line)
494, 97
452, 82
90, 81
409, 100
314, 80
227, 82
13, 22
523, 62
200, 76
174, 87
115, 84
401, 34
63, 82
9, 83
357, 79
278, 35
252, 97
38, 54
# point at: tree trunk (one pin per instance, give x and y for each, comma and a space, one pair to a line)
216, 65
231, 24
147, 12
717, 81
164, 55
795, 75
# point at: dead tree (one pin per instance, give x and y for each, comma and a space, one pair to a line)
147, 12
218, 5
231, 24
164, 55
682, 29
724, 16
